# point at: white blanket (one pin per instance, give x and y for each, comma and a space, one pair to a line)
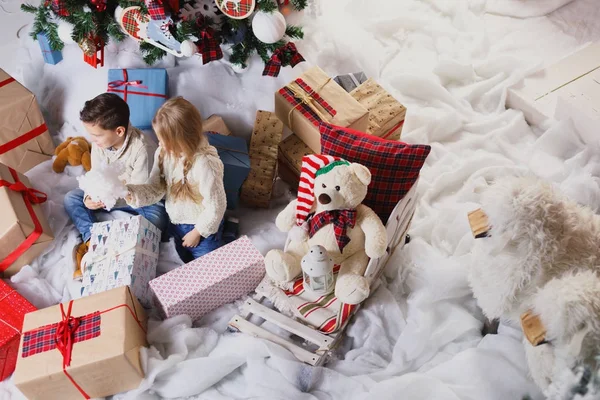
418, 336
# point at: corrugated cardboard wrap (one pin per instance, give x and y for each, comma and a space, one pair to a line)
24, 137
347, 111
101, 366
257, 188
386, 114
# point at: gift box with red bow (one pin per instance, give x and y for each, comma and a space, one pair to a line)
144, 90
24, 137
13, 308
86, 348
314, 98
24, 230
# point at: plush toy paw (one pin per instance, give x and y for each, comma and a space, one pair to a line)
281, 267
352, 289
73, 151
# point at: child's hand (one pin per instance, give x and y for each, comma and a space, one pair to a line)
93, 205
192, 238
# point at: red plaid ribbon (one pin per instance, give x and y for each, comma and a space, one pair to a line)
65, 333
341, 220
30, 197
209, 46
112, 87
156, 9
273, 66
303, 101
60, 8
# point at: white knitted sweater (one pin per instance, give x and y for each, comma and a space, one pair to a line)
206, 174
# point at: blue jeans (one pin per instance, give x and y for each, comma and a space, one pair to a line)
206, 245
84, 218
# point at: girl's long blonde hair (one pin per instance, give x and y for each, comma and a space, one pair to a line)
178, 125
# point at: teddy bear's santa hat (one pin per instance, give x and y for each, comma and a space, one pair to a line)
312, 166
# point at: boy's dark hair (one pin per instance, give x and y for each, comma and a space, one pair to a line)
107, 110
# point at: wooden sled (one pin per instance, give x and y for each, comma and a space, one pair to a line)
260, 319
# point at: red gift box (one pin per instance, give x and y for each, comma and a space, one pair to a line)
13, 308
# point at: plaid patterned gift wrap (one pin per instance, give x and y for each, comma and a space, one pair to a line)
86, 348
233, 151
257, 188
124, 252
13, 308
211, 281
386, 114
314, 98
145, 90
52, 57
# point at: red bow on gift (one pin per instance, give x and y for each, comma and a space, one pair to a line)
209, 46
341, 219
273, 66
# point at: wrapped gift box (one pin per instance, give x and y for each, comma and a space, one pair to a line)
210, 281
13, 308
108, 331
24, 230
538, 93
291, 151
312, 98
124, 252
233, 151
24, 137
215, 123
145, 90
386, 114
350, 81
257, 188
50, 56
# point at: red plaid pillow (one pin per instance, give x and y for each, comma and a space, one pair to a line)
394, 166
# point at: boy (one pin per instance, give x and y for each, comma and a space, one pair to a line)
106, 119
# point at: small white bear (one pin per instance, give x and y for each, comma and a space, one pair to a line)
329, 212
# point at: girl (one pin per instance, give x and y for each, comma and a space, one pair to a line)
190, 173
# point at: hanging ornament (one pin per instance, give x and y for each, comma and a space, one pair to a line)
285, 7
87, 45
93, 50
236, 9
65, 32
206, 8
100, 5
156, 9
269, 27
235, 35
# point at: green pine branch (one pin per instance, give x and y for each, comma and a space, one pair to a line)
151, 53
300, 4
114, 30
28, 8
294, 32
266, 5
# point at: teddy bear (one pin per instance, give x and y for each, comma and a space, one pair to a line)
541, 255
73, 151
329, 212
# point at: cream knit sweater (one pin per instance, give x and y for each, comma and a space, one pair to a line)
206, 174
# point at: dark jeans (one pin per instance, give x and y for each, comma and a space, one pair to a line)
228, 232
84, 218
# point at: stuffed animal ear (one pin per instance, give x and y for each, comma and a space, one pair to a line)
362, 172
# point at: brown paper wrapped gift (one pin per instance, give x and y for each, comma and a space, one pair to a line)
291, 151
386, 114
105, 354
215, 123
24, 137
315, 97
24, 230
257, 188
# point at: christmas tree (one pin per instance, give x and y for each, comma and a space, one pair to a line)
181, 28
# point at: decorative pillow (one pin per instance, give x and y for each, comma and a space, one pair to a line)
394, 165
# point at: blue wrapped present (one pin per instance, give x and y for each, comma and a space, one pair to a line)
145, 90
233, 151
50, 56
